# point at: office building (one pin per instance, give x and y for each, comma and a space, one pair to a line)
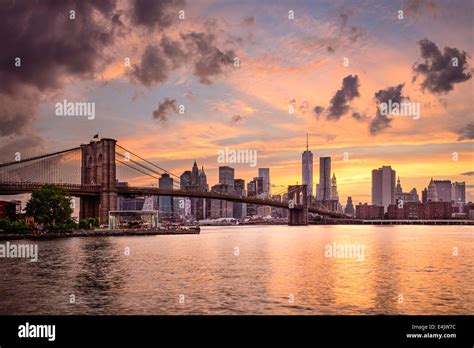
307, 168
324, 193
383, 186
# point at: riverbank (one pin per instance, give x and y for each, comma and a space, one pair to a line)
98, 233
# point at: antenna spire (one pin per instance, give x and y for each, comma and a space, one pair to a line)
307, 141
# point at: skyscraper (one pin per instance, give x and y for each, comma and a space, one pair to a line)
185, 180
383, 186
226, 176
265, 174
202, 182
240, 209
432, 193
459, 192
195, 175
324, 179
307, 168
443, 190
165, 202
334, 194
349, 209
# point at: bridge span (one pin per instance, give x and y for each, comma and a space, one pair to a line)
94, 180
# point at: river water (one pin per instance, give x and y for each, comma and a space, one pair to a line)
249, 270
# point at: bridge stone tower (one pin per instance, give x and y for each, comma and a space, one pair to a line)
98, 168
298, 205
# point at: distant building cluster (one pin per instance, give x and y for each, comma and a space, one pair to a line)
441, 199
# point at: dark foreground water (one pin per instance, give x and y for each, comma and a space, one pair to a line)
249, 270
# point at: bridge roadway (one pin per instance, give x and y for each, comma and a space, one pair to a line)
79, 190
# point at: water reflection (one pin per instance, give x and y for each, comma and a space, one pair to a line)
278, 270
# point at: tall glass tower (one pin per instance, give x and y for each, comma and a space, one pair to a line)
307, 168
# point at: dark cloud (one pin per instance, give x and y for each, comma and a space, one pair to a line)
467, 132
416, 7
28, 145
303, 108
209, 61
17, 112
380, 122
352, 32
173, 50
330, 49
359, 117
318, 110
164, 108
196, 48
438, 70
158, 14
468, 173
52, 48
250, 20
339, 104
237, 118
66, 47
153, 67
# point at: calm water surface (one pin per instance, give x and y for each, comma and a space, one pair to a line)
277, 264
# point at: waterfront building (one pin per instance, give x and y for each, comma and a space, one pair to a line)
349, 209
369, 212
406, 197
165, 203
240, 209
383, 186
458, 192
226, 175
432, 192
265, 174
430, 210
443, 190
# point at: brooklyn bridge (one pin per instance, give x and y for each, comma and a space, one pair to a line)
91, 173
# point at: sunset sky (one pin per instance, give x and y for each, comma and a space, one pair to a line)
283, 61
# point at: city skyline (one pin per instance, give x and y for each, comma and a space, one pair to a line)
247, 106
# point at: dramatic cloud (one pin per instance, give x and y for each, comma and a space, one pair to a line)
173, 51
467, 132
209, 61
67, 46
156, 14
153, 67
237, 118
441, 70
359, 117
318, 110
42, 48
380, 122
196, 48
164, 109
28, 144
339, 104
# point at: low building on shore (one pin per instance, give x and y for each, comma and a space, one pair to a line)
369, 212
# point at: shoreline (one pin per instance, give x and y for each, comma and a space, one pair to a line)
96, 233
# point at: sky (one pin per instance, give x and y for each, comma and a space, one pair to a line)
238, 68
